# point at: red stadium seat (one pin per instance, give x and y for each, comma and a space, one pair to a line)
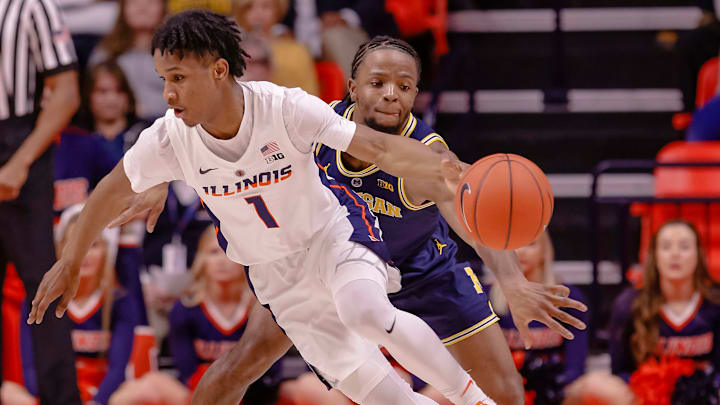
417, 16
706, 89
686, 182
331, 79
707, 82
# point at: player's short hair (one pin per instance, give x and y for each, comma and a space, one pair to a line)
383, 42
202, 33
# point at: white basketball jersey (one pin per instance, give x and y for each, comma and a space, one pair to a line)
270, 202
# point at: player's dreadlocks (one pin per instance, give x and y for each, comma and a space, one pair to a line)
382, 42
202, 32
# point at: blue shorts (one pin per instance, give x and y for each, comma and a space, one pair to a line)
451, 301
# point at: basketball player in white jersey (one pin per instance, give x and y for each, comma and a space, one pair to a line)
315, 254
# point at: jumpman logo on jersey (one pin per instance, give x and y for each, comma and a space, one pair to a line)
324, 168
439, 245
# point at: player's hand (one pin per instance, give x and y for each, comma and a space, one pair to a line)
452, 171
12, 178
147, 205
61, 280
529, 301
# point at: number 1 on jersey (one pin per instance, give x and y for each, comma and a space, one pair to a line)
262, 211
476, 283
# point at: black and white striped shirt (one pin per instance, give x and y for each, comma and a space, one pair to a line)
34, 43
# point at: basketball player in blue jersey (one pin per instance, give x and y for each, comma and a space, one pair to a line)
443, 292
313, 253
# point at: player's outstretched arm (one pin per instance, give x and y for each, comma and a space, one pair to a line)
528, 301
403, 157
109, 198
227, 379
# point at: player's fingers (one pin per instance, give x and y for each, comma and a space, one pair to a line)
63, 304
557, 327
560, 290
153, 218
569, 303
36, 301
42, 307
567, 318
525, 336
123, 218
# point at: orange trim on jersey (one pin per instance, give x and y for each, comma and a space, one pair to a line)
78, 319
682, 326
467, 387
217, 326
362, 208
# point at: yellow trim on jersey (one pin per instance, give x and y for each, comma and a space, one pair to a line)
471, 331
406, 201
349, 173
348, 111
407, 130
410, 125
434, 137
334, 103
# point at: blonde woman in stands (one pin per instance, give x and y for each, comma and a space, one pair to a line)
104, 316
552, 362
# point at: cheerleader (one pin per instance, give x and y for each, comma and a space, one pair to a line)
104, 316
674, 315
552, 362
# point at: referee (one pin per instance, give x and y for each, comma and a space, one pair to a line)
36, 56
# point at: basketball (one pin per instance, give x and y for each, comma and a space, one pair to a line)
504, 201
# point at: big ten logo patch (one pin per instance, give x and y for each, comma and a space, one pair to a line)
380, 206
274, 158
384, 184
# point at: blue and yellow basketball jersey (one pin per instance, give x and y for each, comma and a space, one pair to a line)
416, 235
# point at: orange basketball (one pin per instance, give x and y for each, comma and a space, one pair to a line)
504, 201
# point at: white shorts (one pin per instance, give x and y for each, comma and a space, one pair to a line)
299, 291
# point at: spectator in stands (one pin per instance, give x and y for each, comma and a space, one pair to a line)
208, 321
259, 66
553, 362
675, 312
129, 43
223, 7
293, 66
696, 47
705, 125
313, 23
83, 158
104, 317
598, 388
